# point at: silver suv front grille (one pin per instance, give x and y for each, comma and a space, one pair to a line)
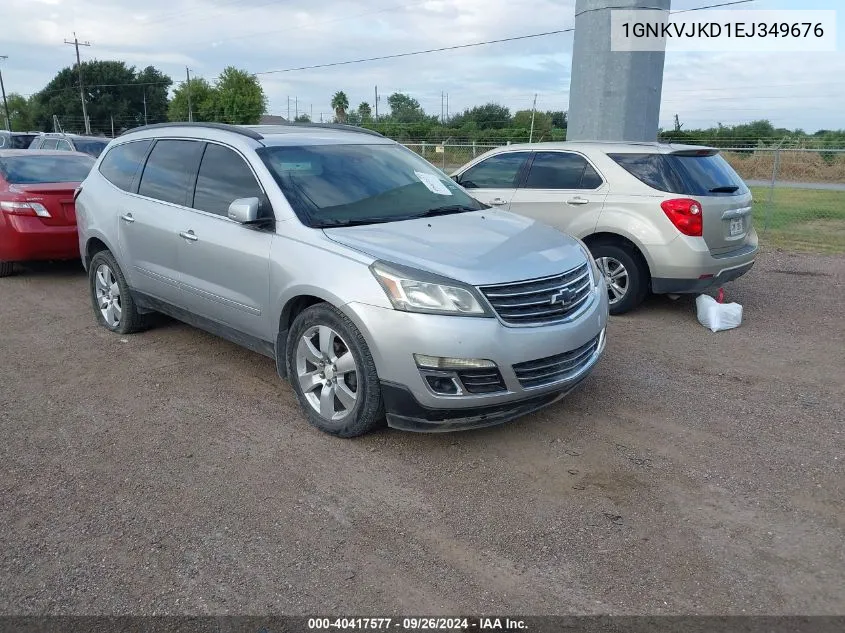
545, 371
541, 301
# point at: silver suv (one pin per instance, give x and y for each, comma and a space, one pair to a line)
657, 217
376, 283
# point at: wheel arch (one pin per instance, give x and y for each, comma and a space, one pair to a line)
94, 245
609, 237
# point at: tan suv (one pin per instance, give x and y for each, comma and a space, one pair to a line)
657, 217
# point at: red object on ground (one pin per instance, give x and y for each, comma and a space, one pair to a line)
38, 219
720, 297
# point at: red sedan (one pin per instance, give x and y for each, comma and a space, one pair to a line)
37, 213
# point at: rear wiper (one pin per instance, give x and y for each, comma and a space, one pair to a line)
724, 189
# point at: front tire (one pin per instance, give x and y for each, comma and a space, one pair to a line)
333, 373
625, 274
113, 304
6, 269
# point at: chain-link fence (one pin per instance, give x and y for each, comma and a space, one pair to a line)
799, 194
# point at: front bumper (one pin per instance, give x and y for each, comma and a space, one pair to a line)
26, 238
395, 336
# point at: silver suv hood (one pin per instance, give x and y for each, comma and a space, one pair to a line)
478, 248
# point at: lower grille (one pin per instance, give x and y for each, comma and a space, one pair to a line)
541, 301
481, 380
551, 369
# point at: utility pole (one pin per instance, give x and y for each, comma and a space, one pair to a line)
145, 106
376, 103
296, 108
533, 112
3, 90
312, 112
112, 126
447, 107
288, 108
76, 43
188, 88
441, 108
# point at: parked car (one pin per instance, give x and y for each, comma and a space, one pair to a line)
91, 145
16, 140
375, 282
37, 217
657, 217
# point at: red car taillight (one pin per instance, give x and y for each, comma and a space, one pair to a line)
685, 214
25, 208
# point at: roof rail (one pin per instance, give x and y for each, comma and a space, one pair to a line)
237, 129
338, 126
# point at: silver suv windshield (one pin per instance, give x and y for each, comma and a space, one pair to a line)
345, 185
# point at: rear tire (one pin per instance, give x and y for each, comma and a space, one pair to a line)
333, 373
625, 273
6, 269
114, 307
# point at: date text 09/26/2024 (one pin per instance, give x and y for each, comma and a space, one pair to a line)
418, 624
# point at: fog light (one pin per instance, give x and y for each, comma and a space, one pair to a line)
445, 385
440, 362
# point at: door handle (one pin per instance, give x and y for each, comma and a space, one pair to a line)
189, 235
498, 201
127, 217
577, 201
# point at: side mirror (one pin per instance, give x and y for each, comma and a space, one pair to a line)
244, 210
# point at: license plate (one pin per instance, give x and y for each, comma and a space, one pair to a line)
737, 227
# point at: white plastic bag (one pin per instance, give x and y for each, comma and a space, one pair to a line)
717, 316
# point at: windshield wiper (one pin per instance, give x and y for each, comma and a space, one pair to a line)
327, 224
724, 189
445, 210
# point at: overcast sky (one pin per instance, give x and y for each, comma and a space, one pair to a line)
805, 90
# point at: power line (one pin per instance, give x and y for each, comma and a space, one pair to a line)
712, 6
425, 52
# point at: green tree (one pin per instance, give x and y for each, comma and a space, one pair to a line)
113, 92
489, 116
238, 97
202, 101
542, 123
302, 118
340, 104
21, 113
365, 112
405, 109
559, 118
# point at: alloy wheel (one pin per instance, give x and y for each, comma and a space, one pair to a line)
616, 276
108, 295
327, 372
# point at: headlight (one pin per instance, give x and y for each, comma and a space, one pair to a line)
597, 278
418, 291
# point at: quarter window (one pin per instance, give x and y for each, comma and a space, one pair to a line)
497, 172
64, 145
49, 143
170, 171
561, 170
223, 177
121, 164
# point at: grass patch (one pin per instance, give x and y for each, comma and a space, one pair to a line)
801, 219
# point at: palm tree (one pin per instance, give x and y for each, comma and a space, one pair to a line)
365, 111
340, 103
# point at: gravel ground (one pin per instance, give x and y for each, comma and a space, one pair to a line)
172, 472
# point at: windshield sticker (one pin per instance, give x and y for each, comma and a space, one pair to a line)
434, 184
294, 166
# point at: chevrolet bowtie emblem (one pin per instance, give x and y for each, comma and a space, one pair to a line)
562, 296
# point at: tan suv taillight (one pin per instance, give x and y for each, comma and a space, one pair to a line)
685, 214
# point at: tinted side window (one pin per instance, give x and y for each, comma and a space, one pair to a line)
223, 177
36, 143
121, 164
64, 145
561, 170
170, 171
497, 172
49, 143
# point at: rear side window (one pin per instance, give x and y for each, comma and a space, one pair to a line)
49, 143
685, 174
497, 172
561, 170
37, 169
16, 141
170, 171
121, 164
64, 145
223, 177
92, 148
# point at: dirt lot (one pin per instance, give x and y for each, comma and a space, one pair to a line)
172, 472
